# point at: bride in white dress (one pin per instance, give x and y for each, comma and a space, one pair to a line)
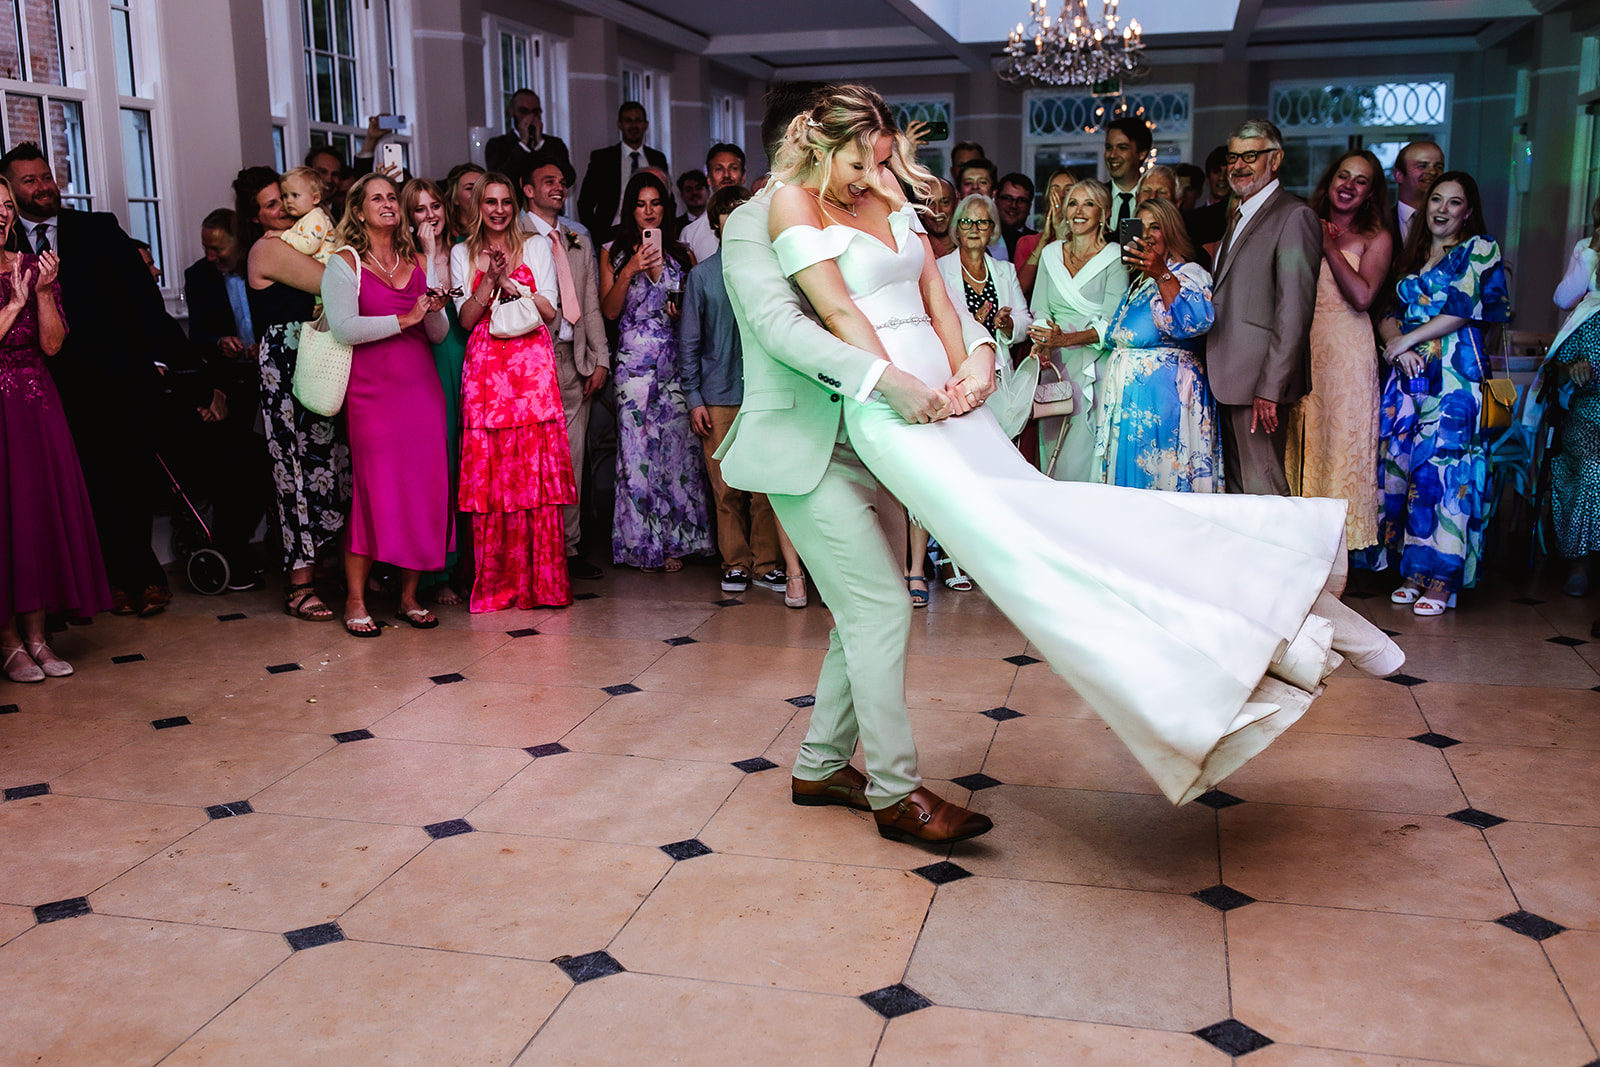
1185, 620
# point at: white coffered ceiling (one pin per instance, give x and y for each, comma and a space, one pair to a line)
864, 38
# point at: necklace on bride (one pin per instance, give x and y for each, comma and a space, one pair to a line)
823, 199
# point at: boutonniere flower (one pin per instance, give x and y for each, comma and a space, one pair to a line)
572, 240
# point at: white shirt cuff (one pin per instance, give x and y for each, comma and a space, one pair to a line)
870, 381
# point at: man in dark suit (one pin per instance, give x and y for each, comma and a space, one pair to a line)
600, 202
509, 153
117, 329
1414, 170
1258, 352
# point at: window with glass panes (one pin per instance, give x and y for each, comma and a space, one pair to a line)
39, 105
138, 140
332, 101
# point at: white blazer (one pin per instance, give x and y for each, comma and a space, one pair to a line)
1006, 287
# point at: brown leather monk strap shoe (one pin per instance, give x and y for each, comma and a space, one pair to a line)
845, 787
922, 816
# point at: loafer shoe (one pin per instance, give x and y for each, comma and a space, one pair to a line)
923, 816
845, 787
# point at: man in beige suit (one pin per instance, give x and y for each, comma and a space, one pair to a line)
790, 442
1258, 353
583, 357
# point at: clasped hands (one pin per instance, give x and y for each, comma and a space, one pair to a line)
1403, 355
966, 390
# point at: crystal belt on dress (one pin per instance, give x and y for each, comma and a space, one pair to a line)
908, 320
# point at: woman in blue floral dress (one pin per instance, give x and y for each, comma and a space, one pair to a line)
1432, 466
661, 514
1156, 424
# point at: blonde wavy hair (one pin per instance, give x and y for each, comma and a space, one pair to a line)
478, 228
846, 115
352, 230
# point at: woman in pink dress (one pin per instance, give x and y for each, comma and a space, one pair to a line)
376, 295
516, 467
49, 555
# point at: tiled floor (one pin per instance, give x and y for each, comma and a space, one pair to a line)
564, 837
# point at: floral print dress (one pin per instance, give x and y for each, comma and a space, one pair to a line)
1433, 468
1156, 425
661, 511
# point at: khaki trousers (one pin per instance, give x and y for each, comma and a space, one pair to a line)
576, 407
1252, 462
747, 536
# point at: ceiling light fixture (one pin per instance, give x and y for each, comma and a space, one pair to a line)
1072, 49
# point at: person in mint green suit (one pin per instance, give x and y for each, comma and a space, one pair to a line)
789, 442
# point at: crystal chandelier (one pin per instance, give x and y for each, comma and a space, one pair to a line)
1072, 50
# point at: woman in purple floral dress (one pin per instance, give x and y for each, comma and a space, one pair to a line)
661, 513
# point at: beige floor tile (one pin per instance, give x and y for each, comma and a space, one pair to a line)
643, 1018
103, 990
1497, 660
1509, 715
769, 625
964, 636
630, 620
1070, 753
682, 726
1576, 957
556, 659
1371, 861
129, 691
760, 819
458, 618
414, 783
1278, 1055
1555, 870
1477, 616
351, 1003
73, 846
1400, 985
951, 743
316, 699
262, 872
529, 897
1040, 949
1121, 840
254, 641
707, 670
14, 919
38, 748
1371, 773
1039, 690
790, 925
956, 683
990, 1039
1530, 784
631, 800
1366, 706
498, 714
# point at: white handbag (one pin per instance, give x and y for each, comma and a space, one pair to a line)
513, 312
322, 364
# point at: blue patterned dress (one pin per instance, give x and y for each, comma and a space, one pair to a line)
661, 509
1432, 465
1156, 425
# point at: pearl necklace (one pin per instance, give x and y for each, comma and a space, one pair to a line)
376, 262
821, 199
979, 282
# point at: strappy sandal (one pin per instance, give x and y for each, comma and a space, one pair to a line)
1406, 594
956, 578
919, 597
294, 603
27, 671
1433, 605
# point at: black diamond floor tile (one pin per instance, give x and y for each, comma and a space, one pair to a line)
1570, 642
554, 748
314, 936
227, 811
896, 1000
9, 709
448, 828
758, 763
589, 966
1528, 924
727, 602
57, 910
686, 850
1216, 799
23, 792
1405, 679
232, 616
524, 632
619, 690
1003, 714
1434, 740
978, 781
1223, 897
585, 596
806, 701
1473, 817
1021, 660
676, 641
1233, 1037
446, 679
353, 735
282, 668
942, 872
167, 724
133, 658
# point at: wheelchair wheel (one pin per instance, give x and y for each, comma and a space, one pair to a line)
208, 572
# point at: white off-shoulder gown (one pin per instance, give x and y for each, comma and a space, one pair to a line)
1165, 611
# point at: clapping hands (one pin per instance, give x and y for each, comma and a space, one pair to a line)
21, 282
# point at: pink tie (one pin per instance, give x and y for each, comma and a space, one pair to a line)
564, 286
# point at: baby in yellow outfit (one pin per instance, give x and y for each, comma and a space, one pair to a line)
312, 232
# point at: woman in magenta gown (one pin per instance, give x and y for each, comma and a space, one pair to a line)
51, 556
376, 296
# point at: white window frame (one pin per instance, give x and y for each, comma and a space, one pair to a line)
653, 89
1175, 144
935, 155
75, 75
727, 119
547, 70
1339, 137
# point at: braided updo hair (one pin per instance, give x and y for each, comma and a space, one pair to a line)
850, 114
